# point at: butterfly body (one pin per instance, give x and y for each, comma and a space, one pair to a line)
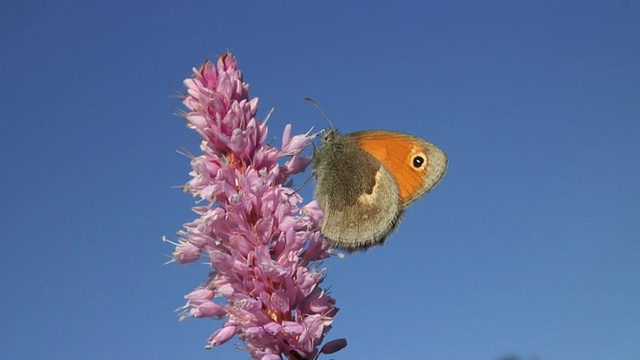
364, 181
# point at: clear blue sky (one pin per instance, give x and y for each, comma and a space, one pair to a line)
529, 246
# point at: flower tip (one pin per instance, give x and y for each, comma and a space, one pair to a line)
221, 336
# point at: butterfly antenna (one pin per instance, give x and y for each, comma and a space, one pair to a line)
321, 111
305, 182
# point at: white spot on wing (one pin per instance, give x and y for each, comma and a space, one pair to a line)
373, 197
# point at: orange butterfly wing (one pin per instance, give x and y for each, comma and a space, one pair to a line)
416, 165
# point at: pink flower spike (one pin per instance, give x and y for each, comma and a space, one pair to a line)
199, 294
292, 145
223, 335
297, 164
292, 328
270, 357
261, 245
272, 328
208, 309
186, 253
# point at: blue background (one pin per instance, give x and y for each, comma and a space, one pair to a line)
530, 246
